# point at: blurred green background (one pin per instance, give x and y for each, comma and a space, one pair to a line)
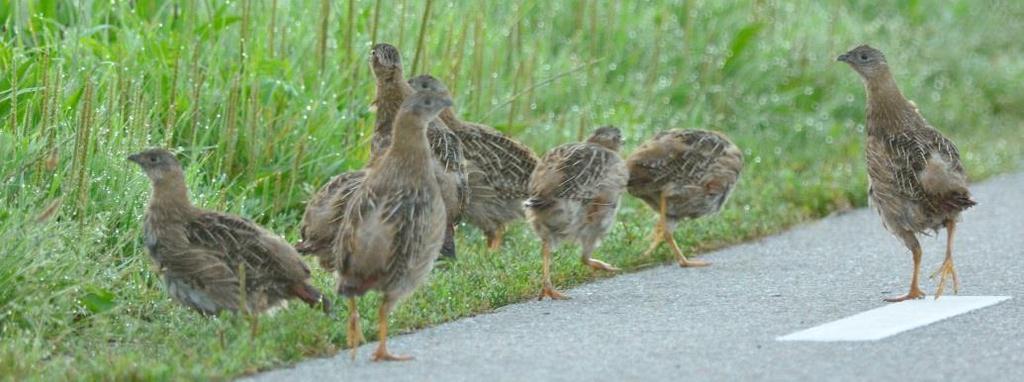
265, 100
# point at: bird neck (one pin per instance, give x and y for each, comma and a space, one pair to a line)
170, 195
409, 141
391, 91
449, 118
390, 94
887, 108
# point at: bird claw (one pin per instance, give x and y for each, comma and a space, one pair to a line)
384, 355
600, 265
914, 294
946, 270
548, 291
687, 263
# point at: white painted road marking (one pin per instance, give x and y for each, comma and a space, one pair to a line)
893, 319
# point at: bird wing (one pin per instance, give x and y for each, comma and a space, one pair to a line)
909, 154
505, 163
446, 147
681, 156
573, 171
237, 241
327, 206
448, 151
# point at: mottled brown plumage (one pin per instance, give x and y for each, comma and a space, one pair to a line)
683, 174
392, 89
200, 253
574, 195
916, 180
390, 236
323, 214
498, 168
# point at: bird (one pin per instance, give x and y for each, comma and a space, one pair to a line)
212, 261
574, 195
916, 181
683, 174
323, 214
392, 89
498, 169
389, 237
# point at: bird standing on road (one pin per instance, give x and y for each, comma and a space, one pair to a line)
916, 180
574, 195
683, 174
202, 254
390, 236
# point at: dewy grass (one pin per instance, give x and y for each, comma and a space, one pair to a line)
259, 127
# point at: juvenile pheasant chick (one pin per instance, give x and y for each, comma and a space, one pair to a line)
574, 195
200, 253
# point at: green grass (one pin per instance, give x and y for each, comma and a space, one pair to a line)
265, 100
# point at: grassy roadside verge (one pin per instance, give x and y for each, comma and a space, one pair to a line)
267, 99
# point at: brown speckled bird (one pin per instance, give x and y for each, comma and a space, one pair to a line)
323, 214
200, 253
683, 174
390, 236
574, 195
392, 89
916, 180
498, 167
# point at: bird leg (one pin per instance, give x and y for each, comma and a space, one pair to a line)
548, 290
354, 336
682, 260
657, 237
382, 354
946, 269
667, 235
915, 292
494, 238
588, 249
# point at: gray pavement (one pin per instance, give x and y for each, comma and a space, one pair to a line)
720, 323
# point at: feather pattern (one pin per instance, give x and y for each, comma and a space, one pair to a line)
200, 253
695, 170
324, 213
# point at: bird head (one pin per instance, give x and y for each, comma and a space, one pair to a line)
385, 61
156, 163
426, 104
867, 61
607, 136
427, 82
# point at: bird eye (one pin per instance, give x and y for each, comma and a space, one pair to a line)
863, 57
152, 159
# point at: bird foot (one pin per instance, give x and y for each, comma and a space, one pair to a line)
548, 291
382, 354
600, 265
692, 263
946, 270
912, 295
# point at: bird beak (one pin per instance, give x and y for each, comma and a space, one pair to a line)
843, 57
134, 158
448, 102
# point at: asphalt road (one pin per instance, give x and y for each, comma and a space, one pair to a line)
720, 323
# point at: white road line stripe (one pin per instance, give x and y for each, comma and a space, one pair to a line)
892, 319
